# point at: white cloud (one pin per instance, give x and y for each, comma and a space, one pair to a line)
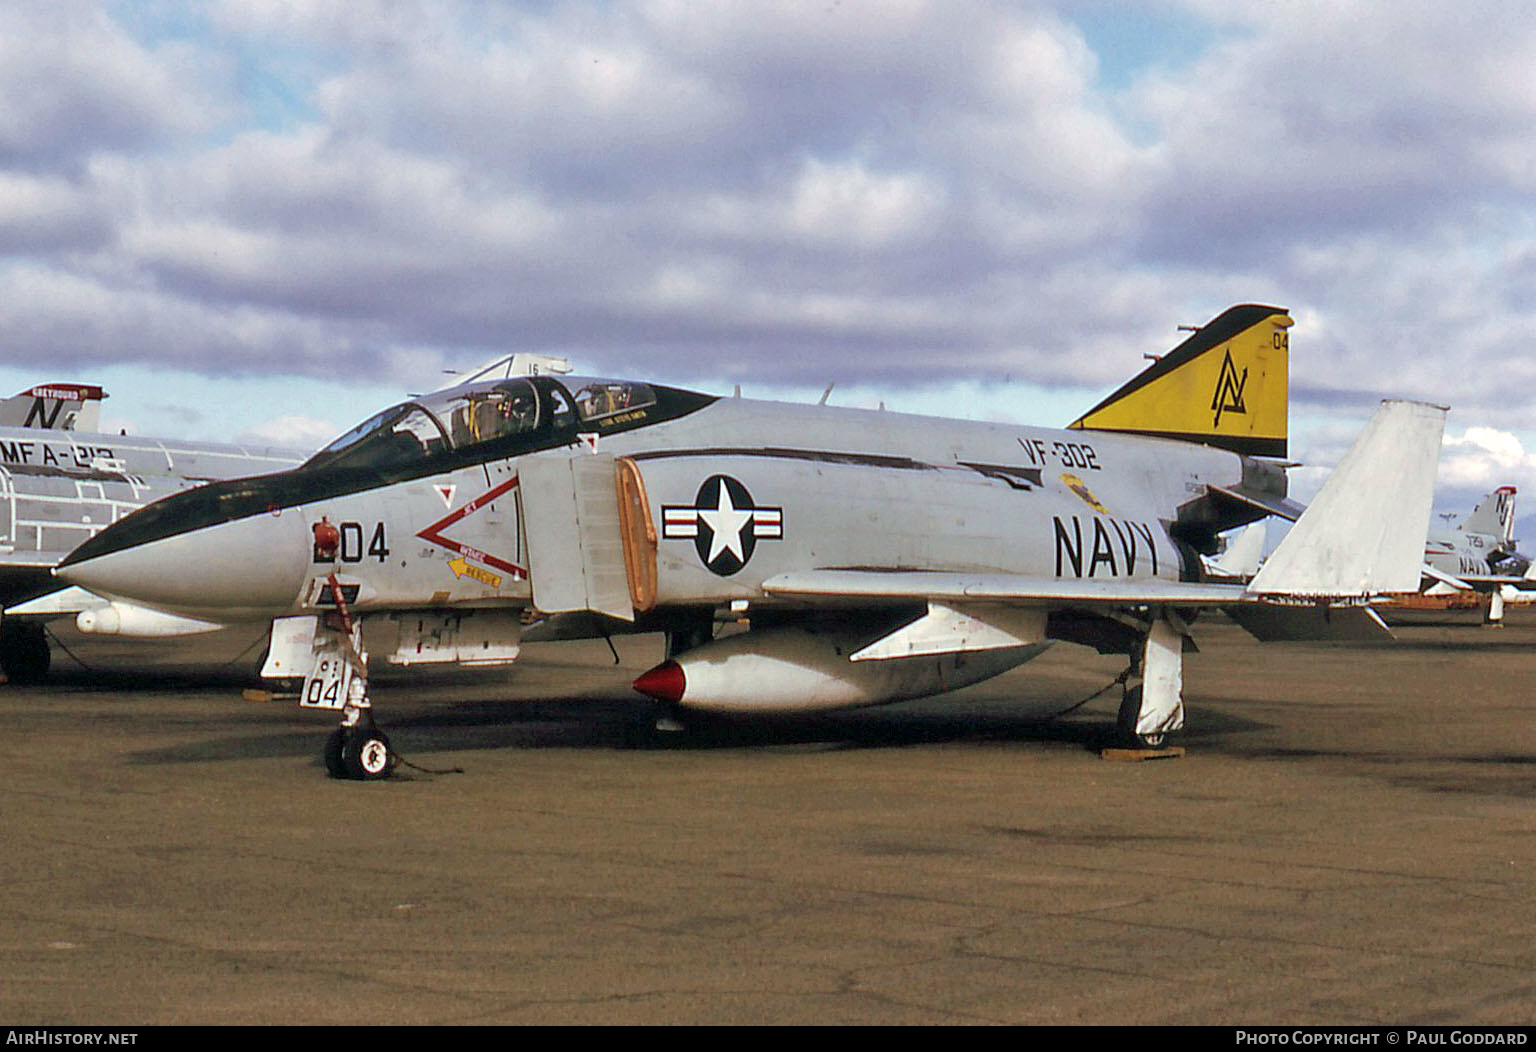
1484, 458
290, 432
48, 213
76, 82
903, 193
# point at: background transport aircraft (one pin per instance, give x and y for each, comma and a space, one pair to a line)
876, 556
61, 481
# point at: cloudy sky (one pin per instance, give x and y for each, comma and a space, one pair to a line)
268, 219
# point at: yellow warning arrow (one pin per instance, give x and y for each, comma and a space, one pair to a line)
462, 567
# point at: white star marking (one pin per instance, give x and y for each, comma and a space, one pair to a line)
725, 524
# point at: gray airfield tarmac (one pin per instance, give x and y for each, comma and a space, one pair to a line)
1351, 839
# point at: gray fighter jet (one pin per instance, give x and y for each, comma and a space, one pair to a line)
61, 481
1480, 555
875, 556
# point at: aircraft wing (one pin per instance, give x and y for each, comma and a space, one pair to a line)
30, 560
66, 602
988, 600
24, 575
1479, 582
890, 586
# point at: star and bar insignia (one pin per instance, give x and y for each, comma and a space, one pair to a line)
724, 524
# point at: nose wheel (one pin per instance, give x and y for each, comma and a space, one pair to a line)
358, 750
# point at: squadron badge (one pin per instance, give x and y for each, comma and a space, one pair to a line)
1078, 486
1228, 397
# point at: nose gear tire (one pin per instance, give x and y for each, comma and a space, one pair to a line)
359, 753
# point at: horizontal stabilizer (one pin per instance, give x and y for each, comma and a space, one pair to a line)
1364, 533
1311, 623
1264, 503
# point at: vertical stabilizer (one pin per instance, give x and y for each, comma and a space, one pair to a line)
54, 407
1364, 532
1494, 517
1225, 386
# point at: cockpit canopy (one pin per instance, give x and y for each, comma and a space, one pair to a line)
482, 421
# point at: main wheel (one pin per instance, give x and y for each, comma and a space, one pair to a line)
24, 653
366, 755
1125, 723
1130, 709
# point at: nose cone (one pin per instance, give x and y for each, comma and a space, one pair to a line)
248, 568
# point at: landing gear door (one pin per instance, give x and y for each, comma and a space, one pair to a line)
575, 548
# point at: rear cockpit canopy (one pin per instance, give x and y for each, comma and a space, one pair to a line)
489, 420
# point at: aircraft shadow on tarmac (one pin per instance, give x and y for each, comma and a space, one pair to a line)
474, 728
199, 678
426, 730
607, 723
577, 723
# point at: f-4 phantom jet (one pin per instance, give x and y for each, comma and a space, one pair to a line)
876, 556
1480, 555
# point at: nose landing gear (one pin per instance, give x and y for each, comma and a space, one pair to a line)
327, 649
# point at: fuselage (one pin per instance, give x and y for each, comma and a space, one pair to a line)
1460, 552
423, 506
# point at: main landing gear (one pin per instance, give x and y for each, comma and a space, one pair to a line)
24, 653
1493, 617
1153, 708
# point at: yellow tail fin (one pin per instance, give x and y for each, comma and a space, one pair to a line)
1227, 386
